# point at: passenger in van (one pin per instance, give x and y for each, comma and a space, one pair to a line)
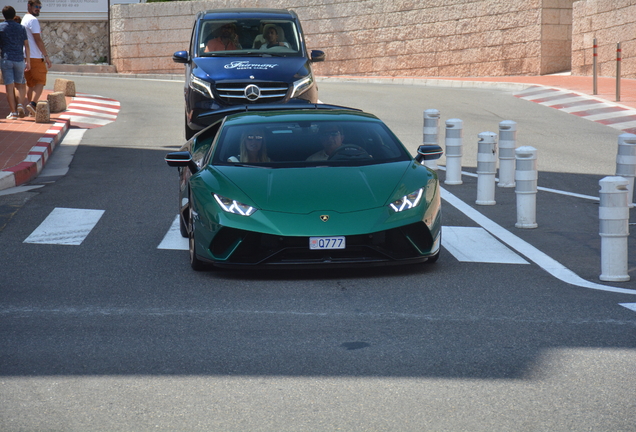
331, 138
253, 148
227, 39
272, 38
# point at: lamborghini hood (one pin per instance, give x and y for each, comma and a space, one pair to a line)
304, 190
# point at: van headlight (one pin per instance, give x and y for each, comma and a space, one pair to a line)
203, 87
302, 85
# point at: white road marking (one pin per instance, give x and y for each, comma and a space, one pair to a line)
630, 306
173, 239
64, 226
475, 244
549, 264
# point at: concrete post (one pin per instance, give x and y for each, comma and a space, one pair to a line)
431, 133
507, 144
454, 152
486, 168
614, 229
526, 176
626, 162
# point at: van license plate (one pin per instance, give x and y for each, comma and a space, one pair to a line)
327, 242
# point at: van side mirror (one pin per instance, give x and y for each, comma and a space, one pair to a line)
180, 57
428, 152
317, 56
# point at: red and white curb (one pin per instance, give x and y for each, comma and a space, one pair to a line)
609, 114
84, 112
39, 154
91, 111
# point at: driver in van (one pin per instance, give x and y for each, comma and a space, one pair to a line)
271, 36
331, 139
227, 39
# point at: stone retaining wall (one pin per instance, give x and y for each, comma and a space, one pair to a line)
75, 42
610, 22
374, 37
434, 38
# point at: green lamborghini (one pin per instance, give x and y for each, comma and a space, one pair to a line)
308, 186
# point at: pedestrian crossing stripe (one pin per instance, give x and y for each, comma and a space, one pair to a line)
66, 226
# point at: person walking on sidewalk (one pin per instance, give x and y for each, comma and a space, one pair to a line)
14, 46
40, 63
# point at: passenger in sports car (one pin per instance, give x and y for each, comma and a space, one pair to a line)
331, 139
253, 148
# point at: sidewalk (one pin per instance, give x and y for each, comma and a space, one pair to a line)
25, 145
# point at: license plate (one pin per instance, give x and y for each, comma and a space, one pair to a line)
327, 242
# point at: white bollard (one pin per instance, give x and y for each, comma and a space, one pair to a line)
486, 168
614, 228
526, 176
454, 136
507, 144
431, 133
626, 162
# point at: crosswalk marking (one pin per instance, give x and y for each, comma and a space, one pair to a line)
173, 238
475, 244
65, 226
630, 306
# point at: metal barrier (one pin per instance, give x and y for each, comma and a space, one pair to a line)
454, 151
613, 228
526, 176
486, 168
431, 133
507, 145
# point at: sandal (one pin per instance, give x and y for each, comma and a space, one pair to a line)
12, 116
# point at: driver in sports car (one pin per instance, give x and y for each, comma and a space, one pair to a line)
331, 139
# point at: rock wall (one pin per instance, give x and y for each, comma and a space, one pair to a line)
610, 22
434, 38
75, 42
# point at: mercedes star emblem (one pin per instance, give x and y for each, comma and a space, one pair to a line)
252, 92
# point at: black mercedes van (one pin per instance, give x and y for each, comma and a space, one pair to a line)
244, 57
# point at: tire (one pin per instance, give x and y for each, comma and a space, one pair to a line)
183, 228
189, 133
195, 263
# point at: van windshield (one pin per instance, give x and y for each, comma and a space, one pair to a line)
247, 37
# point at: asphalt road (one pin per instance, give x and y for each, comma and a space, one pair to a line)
116, 334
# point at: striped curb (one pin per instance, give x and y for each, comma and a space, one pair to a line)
39, 154
91, 111
597, 110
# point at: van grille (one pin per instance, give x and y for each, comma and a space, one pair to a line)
268, 92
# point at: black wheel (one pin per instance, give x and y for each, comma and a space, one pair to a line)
189, 133
183, 228
195, 262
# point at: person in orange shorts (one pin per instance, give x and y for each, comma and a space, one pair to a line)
40, 63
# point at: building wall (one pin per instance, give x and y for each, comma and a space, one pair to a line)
374, 37
610, 22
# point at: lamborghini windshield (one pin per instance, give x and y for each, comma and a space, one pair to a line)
247, 37
308, 143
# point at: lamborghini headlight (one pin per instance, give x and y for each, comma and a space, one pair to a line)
202, 86
233, 206
407, 201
